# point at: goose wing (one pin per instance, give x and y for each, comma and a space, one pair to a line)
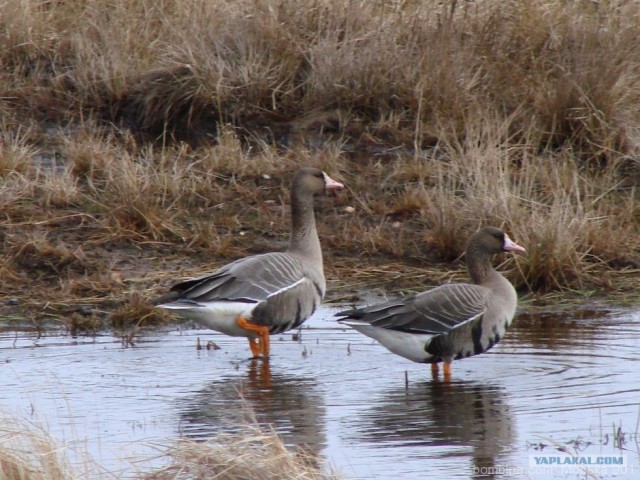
433, 312
250, 279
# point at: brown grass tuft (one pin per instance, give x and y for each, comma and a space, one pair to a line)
135, 313
28, 452
253, 452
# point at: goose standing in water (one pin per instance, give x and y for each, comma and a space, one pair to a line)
263, 294
451, 321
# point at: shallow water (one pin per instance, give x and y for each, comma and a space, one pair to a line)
555, 381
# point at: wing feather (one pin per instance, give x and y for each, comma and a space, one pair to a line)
250, 279
433, 312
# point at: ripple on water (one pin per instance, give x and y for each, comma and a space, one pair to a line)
554, 378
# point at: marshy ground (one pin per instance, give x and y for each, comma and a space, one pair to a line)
145, 143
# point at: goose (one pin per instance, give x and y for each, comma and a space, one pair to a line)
449, 322
270, 293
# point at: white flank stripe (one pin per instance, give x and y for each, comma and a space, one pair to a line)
288, 287
352, 322
218, 316
222, 308
407, 345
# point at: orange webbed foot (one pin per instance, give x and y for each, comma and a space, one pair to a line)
261, 345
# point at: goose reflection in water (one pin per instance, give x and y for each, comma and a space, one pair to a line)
293, 405
466, 414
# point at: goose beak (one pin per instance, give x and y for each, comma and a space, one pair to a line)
331, 184
511, 246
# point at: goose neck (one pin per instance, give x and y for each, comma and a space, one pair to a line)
304, 235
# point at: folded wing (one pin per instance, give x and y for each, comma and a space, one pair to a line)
433, 312
251, 279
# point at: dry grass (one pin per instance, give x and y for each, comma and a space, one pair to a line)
143, 142
28, 452
251, 453
568, 70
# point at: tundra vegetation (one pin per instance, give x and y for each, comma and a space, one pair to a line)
148, 141
143, 142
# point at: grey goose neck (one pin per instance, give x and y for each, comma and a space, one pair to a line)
304, 234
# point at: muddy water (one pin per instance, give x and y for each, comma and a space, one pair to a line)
556, 382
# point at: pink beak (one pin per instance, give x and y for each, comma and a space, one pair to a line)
331, 184
511, 246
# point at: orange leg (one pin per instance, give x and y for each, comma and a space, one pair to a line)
255, 347
263, 337
264, 342
447, 370
434, 370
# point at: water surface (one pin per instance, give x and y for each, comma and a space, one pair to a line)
567, 381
